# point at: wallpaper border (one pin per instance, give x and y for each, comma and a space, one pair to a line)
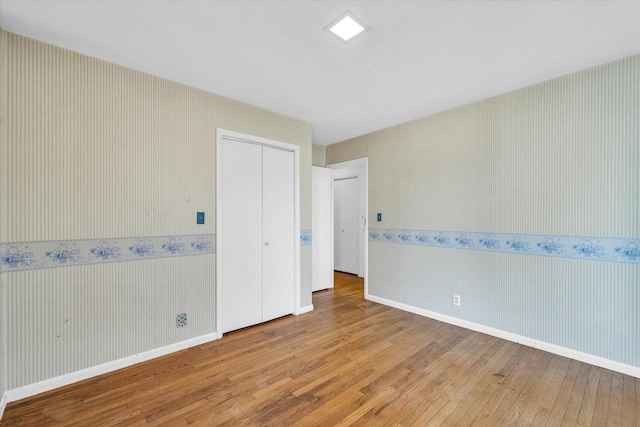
36, 255
305, 237
609, 249
23, 256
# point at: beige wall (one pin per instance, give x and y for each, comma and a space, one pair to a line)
98, 151
3, 202
319, 155
356, 148
556, 159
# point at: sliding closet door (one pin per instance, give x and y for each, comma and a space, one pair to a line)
278, 227
241, 239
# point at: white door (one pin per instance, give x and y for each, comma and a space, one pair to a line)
241, 242
322, 228
278, 233
257, 237
346, 193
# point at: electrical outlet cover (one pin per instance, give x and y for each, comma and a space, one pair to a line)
181, 320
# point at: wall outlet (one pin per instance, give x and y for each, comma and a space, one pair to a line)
456, 300
181, 320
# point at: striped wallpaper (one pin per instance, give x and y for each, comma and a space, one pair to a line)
3, 202
106, 165
551, 170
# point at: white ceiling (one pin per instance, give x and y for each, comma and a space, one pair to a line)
419, 58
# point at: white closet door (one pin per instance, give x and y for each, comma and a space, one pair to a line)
278, 233
241, 259
322, 226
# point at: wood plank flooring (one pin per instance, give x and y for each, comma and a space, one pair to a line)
349, 362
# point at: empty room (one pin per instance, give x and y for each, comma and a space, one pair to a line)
317, 213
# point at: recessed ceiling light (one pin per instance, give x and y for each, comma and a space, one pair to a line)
346, 27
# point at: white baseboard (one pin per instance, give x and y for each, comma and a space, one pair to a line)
83, 374
3, 404
306, 309
529, 342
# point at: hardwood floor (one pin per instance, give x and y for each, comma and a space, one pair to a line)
349, 362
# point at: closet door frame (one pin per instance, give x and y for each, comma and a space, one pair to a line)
251, 139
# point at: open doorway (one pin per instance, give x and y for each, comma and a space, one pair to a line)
350, 190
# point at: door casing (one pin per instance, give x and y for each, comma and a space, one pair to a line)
361, 166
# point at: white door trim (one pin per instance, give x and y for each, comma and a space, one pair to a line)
250, 139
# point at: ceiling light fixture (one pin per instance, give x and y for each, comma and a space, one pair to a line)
346, 27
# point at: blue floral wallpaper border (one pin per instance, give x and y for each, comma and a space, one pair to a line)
608, 249
305, 237
66, 253
23, 256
